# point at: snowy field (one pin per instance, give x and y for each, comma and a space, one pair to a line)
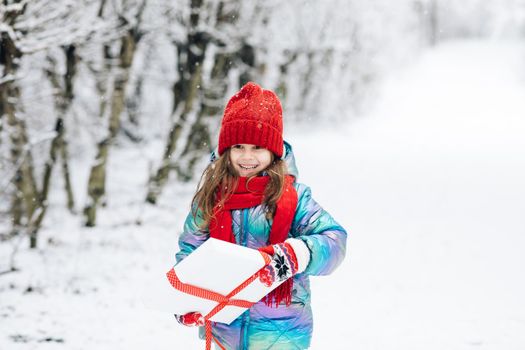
429, 184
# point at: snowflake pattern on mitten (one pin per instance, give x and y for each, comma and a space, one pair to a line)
282, 266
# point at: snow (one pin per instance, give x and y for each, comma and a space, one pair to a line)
429, 185
432, 190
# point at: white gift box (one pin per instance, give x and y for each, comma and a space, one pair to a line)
219, 267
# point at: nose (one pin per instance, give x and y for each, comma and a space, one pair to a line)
247, 153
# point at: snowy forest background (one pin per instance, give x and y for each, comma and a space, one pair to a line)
91, 88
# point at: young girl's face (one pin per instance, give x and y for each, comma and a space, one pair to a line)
249, 159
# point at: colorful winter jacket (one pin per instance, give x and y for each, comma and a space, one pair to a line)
282, 328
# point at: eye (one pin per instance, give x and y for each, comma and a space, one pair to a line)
258, 147
237, 146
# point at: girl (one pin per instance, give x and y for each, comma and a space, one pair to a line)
248, 195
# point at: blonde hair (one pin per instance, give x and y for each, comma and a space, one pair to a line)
220, 175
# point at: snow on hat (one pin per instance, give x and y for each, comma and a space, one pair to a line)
253, 116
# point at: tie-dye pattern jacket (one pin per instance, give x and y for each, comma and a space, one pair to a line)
282, 328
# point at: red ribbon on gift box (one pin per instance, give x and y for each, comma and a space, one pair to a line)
222, 300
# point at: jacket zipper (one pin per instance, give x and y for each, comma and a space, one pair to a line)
241, 234
246, 315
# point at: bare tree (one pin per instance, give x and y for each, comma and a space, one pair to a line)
24, 202
428, 11
27, 28
190, 56
64, 94
217, 38
130, 18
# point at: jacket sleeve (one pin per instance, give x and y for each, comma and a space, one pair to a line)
324, 237
191, 237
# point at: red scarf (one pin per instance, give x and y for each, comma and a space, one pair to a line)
251, 195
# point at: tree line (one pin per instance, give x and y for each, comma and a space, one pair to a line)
100, 65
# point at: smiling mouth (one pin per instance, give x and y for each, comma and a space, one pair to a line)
248, 167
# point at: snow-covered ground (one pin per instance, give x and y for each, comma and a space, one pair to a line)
429, 185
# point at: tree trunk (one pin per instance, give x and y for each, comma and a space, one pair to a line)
247, 56
199, 140
96, 183
190, 57
48, 170
157, 182
428, 13
63, 101
282, 86
71, 69
26, 196
67, 177
433, 22
97, 177
24, 179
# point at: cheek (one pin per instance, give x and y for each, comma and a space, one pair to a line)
267, 159
232, 158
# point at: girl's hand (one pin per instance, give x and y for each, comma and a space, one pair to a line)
283, 264
288, 259
191, 319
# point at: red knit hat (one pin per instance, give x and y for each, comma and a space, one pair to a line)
253, 116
